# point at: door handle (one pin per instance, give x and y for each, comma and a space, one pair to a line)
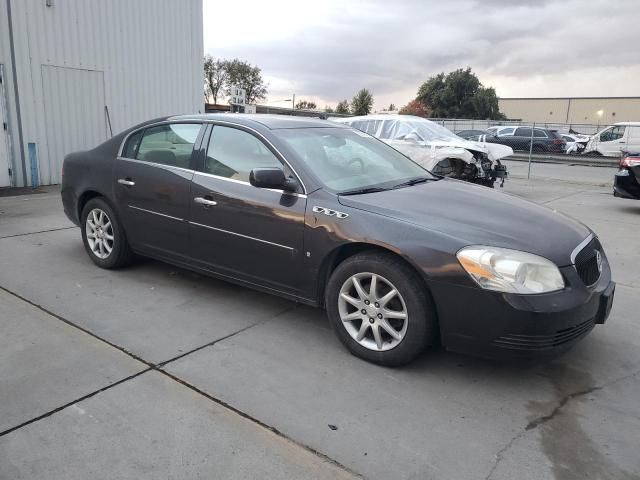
127, 182
204, 201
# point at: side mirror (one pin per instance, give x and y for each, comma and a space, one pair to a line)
271, 177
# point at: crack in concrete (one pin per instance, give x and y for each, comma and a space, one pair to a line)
210, 344
502, 451
562, 197
73, 402
35, 233
533, 424
158, 368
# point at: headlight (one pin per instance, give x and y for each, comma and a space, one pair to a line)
510, 271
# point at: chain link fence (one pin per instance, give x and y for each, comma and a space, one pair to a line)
589, 144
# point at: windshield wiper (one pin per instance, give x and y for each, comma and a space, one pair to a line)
359, 191
413, 181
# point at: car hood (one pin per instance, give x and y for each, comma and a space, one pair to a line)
493, 151
477, 215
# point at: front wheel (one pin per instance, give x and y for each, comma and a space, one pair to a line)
379, 309
103, 236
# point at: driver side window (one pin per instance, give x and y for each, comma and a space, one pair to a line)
613, 133
233, 153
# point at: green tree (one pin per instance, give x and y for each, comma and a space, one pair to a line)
342, 107
306, 105
362, 102
392, 107
328, 109
215, 77
242, 74
459, 94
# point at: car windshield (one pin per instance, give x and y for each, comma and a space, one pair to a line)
347, 160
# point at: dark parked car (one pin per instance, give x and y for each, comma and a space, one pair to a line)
329, 216
473, 135
626, 182
520, 138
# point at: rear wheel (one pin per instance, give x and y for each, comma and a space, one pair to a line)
379, 309
103, 236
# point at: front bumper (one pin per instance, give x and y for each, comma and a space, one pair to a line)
497, 325
625, 185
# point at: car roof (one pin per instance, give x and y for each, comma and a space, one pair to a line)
272, 122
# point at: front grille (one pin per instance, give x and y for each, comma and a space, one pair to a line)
586, 262
544, 342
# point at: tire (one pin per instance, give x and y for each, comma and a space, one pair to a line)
98, 213
416, 330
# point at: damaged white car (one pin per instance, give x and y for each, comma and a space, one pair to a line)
436, 148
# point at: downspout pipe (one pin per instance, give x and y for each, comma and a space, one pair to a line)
16, 93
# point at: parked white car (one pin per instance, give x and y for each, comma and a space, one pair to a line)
436, 148
613, 140
501, 131
575, 143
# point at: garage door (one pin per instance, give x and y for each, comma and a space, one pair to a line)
5, 179
74, 116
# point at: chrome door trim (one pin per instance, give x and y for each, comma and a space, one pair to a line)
159, 165
580, 246
156, 213
242, 182
243, 236
128, 183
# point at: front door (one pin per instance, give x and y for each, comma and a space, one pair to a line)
241, 231
152, 182
612, 141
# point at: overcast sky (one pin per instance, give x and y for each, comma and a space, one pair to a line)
325, 50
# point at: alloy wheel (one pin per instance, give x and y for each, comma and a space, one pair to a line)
99, 231
373, 311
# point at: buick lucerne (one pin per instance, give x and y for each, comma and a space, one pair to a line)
330, 216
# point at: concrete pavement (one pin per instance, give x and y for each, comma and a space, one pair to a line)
154, 371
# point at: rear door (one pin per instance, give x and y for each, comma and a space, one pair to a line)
253, 234
520, 140
152, 182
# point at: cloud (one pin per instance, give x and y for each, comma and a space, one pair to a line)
326, 51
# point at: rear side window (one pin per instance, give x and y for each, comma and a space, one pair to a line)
523, 132
539, 133
506, 131
169, 144
233, 153
132, 145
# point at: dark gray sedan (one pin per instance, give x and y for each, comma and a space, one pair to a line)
329, 216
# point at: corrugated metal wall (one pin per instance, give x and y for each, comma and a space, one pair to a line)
148, 52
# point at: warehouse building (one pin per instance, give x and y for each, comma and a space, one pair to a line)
572, 110
74, 72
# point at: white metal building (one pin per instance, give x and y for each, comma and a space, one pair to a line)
74, 71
